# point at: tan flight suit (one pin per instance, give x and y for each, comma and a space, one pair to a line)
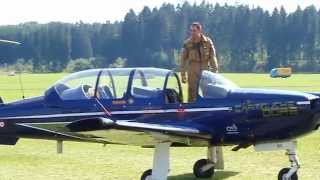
195, 58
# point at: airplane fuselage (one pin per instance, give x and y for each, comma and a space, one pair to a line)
144, 107
245, 116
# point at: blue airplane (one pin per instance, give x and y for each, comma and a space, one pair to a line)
144, 107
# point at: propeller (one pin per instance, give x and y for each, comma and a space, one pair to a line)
9, 42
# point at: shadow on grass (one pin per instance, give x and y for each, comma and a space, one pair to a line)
218, 175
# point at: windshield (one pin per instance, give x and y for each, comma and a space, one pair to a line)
217, 79
213, 85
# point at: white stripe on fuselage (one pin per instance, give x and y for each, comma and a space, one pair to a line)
156, 111
303, 102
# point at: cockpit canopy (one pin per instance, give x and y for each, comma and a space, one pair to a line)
119, 83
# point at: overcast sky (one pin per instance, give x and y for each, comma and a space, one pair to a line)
43, 11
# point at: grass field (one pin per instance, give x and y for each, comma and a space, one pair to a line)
37, 160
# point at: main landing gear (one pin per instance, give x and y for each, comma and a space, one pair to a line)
203, 168
290, 147
160, 168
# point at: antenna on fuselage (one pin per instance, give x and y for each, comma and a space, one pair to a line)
21, 85
20, 71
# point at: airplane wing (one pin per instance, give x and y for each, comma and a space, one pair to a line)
126, 131
141, 133
101, 123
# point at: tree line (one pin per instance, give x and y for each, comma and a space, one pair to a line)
246, 39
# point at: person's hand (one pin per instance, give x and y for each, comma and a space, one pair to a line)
183, 79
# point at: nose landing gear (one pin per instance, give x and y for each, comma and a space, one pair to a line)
290, 173
290, 147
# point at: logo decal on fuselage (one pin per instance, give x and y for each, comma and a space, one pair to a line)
273, 109
233, 129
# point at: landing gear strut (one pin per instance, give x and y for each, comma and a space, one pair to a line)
290, 173
160, 168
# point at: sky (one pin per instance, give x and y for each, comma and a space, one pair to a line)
43, 11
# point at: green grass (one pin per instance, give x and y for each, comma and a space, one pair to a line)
37, 160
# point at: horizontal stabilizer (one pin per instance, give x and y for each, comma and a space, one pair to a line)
57, 130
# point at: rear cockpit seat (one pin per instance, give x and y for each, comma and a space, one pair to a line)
146, 92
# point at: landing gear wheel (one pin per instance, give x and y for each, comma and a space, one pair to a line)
284, 171
198, 166
147, 175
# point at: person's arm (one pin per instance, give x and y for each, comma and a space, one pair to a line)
213, 62
183, 63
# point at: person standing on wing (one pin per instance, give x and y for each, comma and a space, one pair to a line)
198, 54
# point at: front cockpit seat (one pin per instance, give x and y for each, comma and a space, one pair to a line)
104, 92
